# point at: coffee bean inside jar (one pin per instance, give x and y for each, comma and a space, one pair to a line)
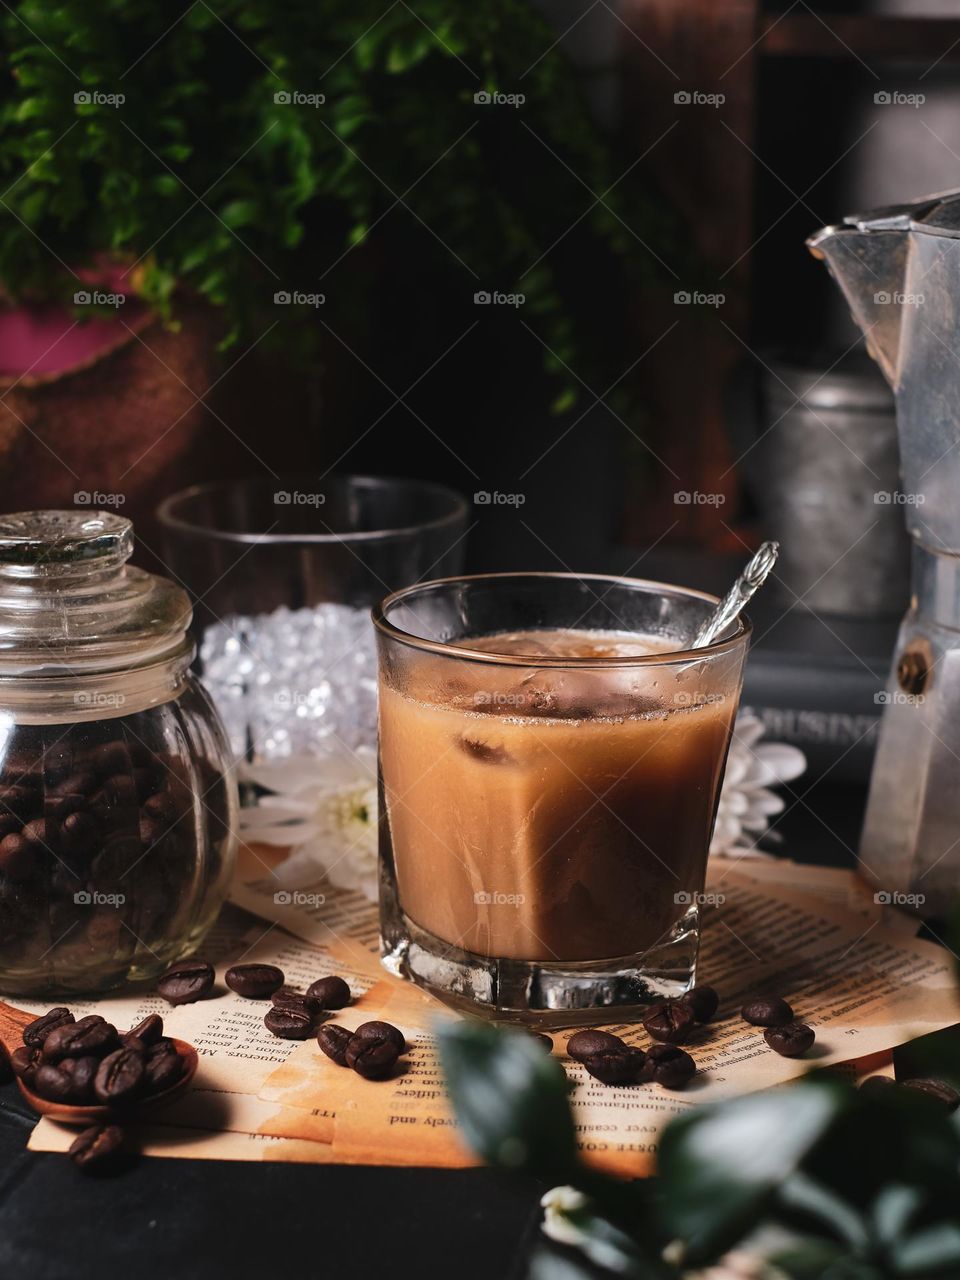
116, 805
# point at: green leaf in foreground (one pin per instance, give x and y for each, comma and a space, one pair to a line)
721, 1164
510, 1099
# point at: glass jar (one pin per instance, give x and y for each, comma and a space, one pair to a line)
117, 804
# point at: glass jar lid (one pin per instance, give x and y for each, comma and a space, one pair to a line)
70, 603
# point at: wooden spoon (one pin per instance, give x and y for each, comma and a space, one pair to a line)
12, 1023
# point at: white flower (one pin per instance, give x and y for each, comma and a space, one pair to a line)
323, 807
561, 1205
746, 803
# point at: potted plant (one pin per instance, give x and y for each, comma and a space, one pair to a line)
253, 175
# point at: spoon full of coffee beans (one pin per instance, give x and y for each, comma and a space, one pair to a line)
84, 1071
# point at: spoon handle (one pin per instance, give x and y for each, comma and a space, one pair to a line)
753, 577
12, 1022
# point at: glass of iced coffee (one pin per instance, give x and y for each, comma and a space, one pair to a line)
551, 752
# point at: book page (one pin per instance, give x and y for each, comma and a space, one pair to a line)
863, 989
192, 1144
237, 1052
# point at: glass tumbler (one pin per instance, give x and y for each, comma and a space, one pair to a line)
551, 755
283, 573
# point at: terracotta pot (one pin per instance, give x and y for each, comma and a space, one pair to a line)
109, 409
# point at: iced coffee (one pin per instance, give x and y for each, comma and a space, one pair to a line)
549, 799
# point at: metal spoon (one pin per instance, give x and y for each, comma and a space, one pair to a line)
743, 590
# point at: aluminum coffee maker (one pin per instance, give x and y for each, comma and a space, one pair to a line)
899, 269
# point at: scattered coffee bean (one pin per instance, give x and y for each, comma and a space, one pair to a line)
382, 1031
791, 1040
284, 999
119, 1077
91, 1035
288, 1024
668, 1066
939, 1090
96, 1147
186, 981
333, 1040
373, 1057
52, 1083
149, 1031
876, 1086
767, 1011
24, 1063
670, 1021
543, 1041
255, 981
702, 1001
162, 1066
616, 1066
36, 1032
332, 992
587, 1044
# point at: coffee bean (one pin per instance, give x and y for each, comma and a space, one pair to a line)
670, 1021
332, 992
702, 1001
255, 981
78, 833
161, 807
163, 1066
616, 1066
119, 1077
24, 1063
284, 999
91, 1035
18, 857
877, 1086
790, 1041
587, 1044
149, 1031
288, 1024
186, 981
333, 1040
373, 1057
52, 1083
19, 801
668, 1066
82, 1072
117, 792
382, 1031
767, 1011
34, 1033
44, 832
81, 783
96, 1147
545, 1043
939, 1090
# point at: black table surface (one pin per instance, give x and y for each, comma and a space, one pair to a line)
205, 1218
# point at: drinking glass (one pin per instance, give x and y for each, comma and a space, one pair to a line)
545, 818
283, 572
